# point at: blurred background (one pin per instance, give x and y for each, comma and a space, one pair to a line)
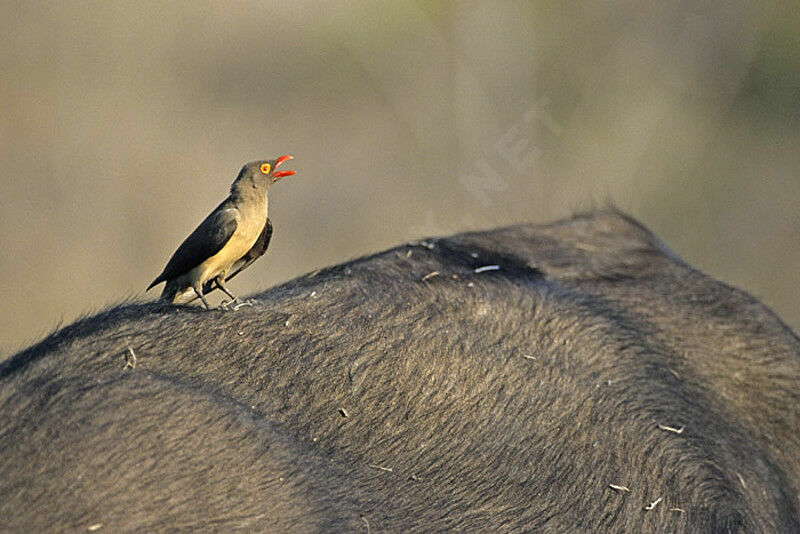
122, 125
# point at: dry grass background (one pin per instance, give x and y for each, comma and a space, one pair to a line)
122, 125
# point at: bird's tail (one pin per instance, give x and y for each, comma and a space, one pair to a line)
177, 295
153, 283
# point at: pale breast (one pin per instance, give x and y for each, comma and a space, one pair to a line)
249, 226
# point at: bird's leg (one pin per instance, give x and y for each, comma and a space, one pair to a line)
199, 293
221, 284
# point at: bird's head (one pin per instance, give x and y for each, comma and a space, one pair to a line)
265, 172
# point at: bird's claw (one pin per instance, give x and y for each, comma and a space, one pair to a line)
228, 304
248, 302
235, 304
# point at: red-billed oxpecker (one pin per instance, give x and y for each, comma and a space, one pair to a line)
231, 238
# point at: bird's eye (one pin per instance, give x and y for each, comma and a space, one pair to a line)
265, 168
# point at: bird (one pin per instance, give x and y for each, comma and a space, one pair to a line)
228, 241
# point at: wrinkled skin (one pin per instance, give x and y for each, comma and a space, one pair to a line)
364, 398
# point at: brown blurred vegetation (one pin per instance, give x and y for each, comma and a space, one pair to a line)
122, 125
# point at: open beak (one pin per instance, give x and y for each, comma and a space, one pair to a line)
278, 162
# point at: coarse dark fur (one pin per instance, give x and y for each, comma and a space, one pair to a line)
377, 396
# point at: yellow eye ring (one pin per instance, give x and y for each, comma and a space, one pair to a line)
265, 168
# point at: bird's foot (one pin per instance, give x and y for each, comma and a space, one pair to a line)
228, 304
248, 302
235, 304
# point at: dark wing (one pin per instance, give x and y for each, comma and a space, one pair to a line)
204, 242
258, 250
